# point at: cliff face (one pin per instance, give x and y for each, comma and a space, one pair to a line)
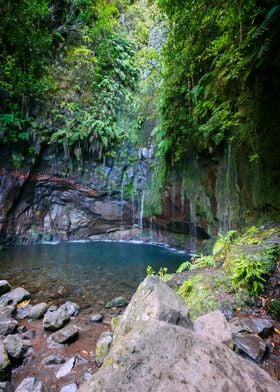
115, 200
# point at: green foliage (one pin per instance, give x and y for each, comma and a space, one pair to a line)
274, 308
216, 63
250, 271
186, 265
204, 262
150, 271
67, 73
198, 295
223, 243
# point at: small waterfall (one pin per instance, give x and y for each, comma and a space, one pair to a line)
193, 225
141, 212
122, 205
228, 192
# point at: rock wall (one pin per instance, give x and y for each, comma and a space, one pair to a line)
118, 199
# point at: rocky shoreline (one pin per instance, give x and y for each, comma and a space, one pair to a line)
49, 348
61, 348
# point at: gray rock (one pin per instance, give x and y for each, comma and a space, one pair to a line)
23, 312
4, 287
56, 319
154, 300
69, 388
38, 311
8, 327
15, 346
5, 365
251, 345
103, 346
15, 296
6, 311
66, 334
158, 356
53, 360
31, 384
260, 326
6, 387
96, 318
118, 302
66, 368
71, 308
214, 326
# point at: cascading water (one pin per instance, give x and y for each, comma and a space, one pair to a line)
141, 211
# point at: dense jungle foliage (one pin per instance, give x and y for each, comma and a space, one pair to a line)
221, 76
84, 74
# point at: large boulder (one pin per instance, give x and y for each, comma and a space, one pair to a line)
158, 356
15, 296
56, 320
5, 365
153, 300
215, 326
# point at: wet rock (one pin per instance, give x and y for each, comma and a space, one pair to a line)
158, 356
38, 311
69, 388
117, 302
8, 327
214, 326
23, 312
53, 360
15, 346
4, 287
154, 300
66, 368
31, 384
56, 319
66, 334
251, 345
6, 387
5, 365
103, 346
15, 296
71, 308
96, 318
260, 326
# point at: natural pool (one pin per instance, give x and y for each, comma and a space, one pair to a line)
84, 272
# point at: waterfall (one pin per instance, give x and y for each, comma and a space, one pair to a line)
228, 192
122, 205
141, 212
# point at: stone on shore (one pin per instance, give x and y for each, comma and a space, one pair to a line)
15, 346
31, 384
69, 388
65, 369
153, 300
8, 327
251, 345
4, 287
118, 302
38, 311
6, 387
96, 318
5, 365
15, 296
215, 326
71, 308
158, 356
66, 334
55, 320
